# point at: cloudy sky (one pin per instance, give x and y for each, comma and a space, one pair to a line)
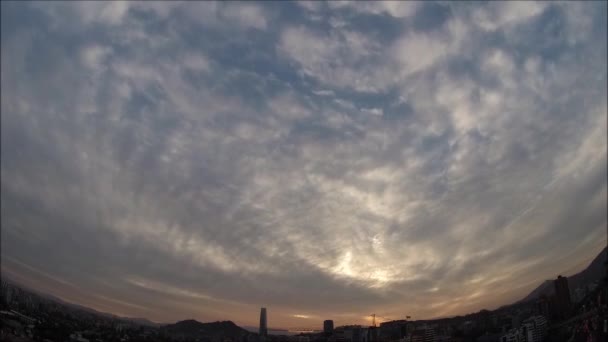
325, 160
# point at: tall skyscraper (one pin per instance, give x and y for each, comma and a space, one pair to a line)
562, 297
263, 327
328, 327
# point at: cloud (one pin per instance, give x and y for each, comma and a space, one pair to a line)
222, 157
373, 111
94, 56
247, 15
301, 316
333, 59
323, 92
498, 15
310, 5
393, 8
87, 13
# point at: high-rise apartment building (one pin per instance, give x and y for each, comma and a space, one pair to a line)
328, 327
562, 297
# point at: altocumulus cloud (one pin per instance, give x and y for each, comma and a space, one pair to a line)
175, 160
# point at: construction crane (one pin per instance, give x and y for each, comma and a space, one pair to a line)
373, 316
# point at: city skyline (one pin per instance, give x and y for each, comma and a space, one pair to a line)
324, 160
561, 293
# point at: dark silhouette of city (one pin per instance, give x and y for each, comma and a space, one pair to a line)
560, 314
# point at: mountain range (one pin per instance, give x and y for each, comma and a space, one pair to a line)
77, 307
594, 272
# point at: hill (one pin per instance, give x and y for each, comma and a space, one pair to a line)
42, 297
594, 272
193, 329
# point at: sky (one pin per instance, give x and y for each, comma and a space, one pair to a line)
201, 160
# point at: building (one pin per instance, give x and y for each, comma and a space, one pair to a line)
328, 327
416, 336
393, 330
372, 334
579, 294
263, 326
513, 335
421, 335
299, 338
338, 335
534, 329
355, 333
349, 333
469, 326
543, 306
429, 335
363, 336
562, 297
516, 321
